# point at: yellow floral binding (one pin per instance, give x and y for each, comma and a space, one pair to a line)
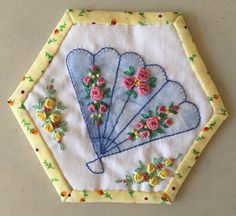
73, 17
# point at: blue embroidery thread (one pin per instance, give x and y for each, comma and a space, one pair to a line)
104, 142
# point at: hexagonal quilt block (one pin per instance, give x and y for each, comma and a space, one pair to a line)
118, 106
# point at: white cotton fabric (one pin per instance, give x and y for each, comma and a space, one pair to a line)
157, 44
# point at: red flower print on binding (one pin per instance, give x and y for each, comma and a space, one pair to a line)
139, 79
154, 122
95, 91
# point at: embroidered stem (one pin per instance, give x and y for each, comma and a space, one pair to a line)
117, 119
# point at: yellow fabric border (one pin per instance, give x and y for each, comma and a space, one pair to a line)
71, 17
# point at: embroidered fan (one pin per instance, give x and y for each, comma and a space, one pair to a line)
127, 103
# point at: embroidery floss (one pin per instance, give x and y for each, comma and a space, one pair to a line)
151, 173
95, 90
154, 122
49, 112
122, 111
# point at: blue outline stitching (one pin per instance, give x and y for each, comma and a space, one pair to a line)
107, 118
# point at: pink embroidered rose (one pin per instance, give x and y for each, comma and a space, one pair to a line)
161, 109
139, 125
129, 138
142, 75
94, 67
96, 93
92, 108
145, 134
168, 122
175, 108
101, 81
152, 123
86, 80
143, 89
102, 108
128, 82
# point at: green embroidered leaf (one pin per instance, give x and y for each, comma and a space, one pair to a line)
145, 116
135, 94
60, 106
107, 92
130, 71
152, 81
39, 105
127, 73
138, 169
62, 147
179, 156
118, 181
149, 113
160, 130
155, 160
141, 164
131, 92
87, 94
156, 109
154, 133
129, 179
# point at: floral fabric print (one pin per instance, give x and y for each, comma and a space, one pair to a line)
95, 90
151, 173
154, 122
49, 112
140, 79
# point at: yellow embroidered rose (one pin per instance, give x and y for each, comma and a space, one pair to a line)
41, 116
48, 127
55, 117
58, 136
49, 103
168, 162
153, 181
138, 177
150, 168
163, 174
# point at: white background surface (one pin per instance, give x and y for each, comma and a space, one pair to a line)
157, 44
25, 190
